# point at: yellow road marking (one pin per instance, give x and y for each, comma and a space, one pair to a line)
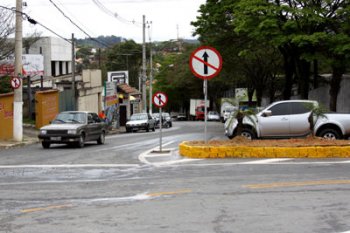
169, 193
295, 184
45, 208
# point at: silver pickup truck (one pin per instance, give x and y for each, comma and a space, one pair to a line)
287, 119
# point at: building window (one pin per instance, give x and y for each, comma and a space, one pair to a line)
41, 50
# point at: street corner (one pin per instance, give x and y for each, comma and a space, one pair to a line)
201, 151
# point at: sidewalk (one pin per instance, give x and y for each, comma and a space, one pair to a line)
30, 136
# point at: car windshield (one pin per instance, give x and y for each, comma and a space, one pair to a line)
70, 117
137, 117
156, 115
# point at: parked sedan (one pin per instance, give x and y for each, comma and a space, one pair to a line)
73, 127
166, 119
140, 121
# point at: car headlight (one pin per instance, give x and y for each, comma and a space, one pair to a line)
72, 131
43, 132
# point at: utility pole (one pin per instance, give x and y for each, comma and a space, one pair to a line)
151, 71
18, 95
73, 72
144, 76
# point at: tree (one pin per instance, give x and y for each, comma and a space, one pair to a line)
7, 28
5, 85
246, 62
125, 56
174, 77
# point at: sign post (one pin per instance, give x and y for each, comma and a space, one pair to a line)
160, 99
205, 63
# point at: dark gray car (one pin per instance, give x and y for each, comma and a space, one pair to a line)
73, 127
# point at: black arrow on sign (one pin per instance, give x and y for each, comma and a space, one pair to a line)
205, 56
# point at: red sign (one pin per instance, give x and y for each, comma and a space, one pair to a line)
205, 62
160, 99
15, 82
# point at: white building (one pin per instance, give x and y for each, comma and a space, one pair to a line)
57, 55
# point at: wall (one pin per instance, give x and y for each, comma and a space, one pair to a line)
92, 78
46, 108
89, 103
6, 116
322, 95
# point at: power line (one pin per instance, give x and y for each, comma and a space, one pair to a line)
114, 14
93, 39
34, 22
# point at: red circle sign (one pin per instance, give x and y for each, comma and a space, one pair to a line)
15, 82
205, 62
160, 99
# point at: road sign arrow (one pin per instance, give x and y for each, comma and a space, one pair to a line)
205, 57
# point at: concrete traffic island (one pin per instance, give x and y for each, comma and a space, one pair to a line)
244, 148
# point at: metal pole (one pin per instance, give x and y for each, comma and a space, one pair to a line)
160, 129
73, 72
144, 97
205, 109
18, 95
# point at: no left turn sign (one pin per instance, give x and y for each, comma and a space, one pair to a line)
205, 62
160, 99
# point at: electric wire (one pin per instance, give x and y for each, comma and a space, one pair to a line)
34, 22
115, 15
90, 37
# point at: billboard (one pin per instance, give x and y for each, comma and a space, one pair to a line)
119, 77
32, 65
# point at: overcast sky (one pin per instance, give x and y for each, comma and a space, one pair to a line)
170, 18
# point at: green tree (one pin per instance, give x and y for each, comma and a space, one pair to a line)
7, 28
125, 56
5, 85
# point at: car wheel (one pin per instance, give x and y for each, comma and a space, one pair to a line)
248, 133
331, 134
128, 130
101, 139
81, 142
45, 145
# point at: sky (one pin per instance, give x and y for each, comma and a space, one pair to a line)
168, 19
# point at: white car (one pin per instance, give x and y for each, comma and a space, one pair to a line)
289, 118
140, 121
213, 116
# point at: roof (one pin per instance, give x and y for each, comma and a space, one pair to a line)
128, 89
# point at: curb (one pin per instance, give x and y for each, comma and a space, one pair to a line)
263, 152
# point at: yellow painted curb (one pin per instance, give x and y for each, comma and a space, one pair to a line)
263, 152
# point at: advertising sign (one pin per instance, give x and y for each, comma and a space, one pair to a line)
32, 65
119, 77
111, 94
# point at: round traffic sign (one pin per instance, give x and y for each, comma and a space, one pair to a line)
160, 99
15, 82
205, 62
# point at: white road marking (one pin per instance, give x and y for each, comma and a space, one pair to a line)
147, 154
266, 161
70, 166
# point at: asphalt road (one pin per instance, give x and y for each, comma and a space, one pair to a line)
126, 186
